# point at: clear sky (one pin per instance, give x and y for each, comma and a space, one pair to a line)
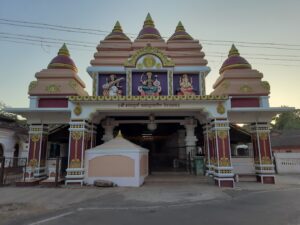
259, 21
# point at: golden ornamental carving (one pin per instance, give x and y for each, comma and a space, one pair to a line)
149, 61
75, 163
32, 163
35, 138
263, 136
245, 88
53, 88
224, 162
76, 135
266, 85
77, 110
131, 62
225, 85
32, 85
220, 108
266, 160
73, 84
222, 134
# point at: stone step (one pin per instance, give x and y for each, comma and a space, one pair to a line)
177, 179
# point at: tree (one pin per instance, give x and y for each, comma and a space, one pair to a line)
287, 120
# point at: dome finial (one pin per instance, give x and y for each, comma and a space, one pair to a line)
63, 50
180, 27
148, 21
233, 51
117, 27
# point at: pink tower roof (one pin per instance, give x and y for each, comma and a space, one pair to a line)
117, 33
234, 61
180, 33
62, 60
149, 31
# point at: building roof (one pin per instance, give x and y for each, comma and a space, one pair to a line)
62, 60
117, 33
285, 138
149, 31
180, 33
234, 61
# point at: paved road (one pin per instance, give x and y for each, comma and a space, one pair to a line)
272, 207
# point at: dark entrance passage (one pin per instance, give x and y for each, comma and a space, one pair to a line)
163, 144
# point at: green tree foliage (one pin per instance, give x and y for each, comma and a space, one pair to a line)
287, 120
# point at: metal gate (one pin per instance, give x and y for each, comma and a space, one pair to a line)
11, 170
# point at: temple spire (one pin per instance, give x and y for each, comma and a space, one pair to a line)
63, 50
117, 27
179, 27
148, 21
233, 51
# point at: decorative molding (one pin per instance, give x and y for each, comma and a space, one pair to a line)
149, 98
166, 62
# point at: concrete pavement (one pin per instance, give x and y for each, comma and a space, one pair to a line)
16, 203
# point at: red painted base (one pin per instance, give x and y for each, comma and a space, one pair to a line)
224, 182
266, 179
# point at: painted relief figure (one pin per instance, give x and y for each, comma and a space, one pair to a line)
149, 85
112, 86
186, 86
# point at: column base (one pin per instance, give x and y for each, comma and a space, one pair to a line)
224, 182
75, 175
265, 178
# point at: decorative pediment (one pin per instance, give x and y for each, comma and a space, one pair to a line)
149, 50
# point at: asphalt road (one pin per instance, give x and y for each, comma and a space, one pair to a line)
242, 208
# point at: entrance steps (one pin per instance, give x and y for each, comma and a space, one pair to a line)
176, 178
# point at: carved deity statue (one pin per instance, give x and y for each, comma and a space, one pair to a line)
112, 86
149, 85
186, 86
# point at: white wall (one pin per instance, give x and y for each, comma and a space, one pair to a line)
287, 162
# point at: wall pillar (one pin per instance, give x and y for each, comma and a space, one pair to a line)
93, 135
223, 173
263, 159
108, 125
208, 150
79, 141
38, 137
190, 138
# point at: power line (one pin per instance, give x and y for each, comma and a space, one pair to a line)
104, 32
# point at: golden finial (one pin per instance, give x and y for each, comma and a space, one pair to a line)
117, 27
64, 50
233, 51
148, 21
179, 27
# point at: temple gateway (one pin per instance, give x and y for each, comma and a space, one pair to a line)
152, 92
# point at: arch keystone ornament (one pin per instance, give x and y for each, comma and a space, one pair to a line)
149, 50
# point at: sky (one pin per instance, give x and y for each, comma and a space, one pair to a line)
272, 25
